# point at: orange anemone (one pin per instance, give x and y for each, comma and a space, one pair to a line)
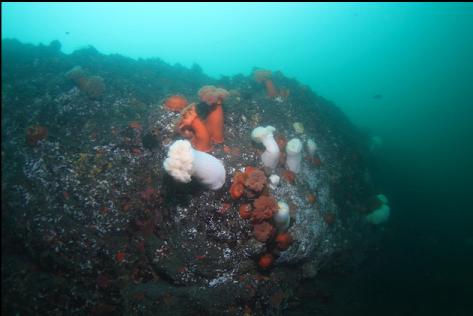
245, 211
311, 198
264, 76
135, 125
329, 218
237, 190
289, 176
249, 170
265, 261
283, 241
215, 122
270, 89
214, 97
238, 185
36, 133
175, 103
191, 120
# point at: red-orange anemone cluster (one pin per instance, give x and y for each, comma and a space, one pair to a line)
264, 208
238, 185
252, 182
255, 183
263, 231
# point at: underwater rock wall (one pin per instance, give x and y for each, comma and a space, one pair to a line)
92, 223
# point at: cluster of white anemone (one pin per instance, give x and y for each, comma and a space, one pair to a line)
183, 162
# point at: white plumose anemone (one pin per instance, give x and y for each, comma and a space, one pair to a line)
183, 162
311, 147
264, 135
294, 155
381, 214
282, 218
382, 198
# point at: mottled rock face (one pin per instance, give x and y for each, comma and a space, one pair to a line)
91, 203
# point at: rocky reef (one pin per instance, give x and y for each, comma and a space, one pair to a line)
92, 224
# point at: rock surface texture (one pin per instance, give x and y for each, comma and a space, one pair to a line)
93, 225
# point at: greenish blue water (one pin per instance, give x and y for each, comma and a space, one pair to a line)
416, 58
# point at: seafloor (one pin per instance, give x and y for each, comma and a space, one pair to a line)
93, 225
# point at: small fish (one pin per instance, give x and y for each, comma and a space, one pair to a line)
67, 33
378, 96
